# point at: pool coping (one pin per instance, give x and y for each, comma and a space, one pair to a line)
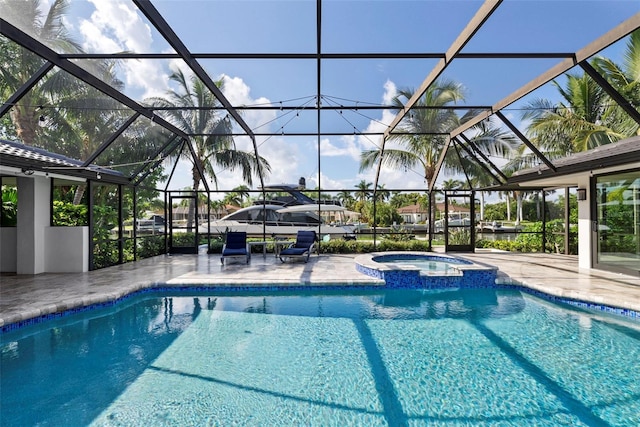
109, 300
186, 274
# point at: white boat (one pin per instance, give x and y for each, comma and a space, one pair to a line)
269, 219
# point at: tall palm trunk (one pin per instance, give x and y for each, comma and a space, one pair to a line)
191, 214
25, 125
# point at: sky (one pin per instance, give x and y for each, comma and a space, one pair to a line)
358, 26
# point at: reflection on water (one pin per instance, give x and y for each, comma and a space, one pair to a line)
366, 357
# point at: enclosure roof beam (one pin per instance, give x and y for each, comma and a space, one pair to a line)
617, 33
611, 91
173, 140
112, 138
482, 164
481, 16
526, 141
324, 56
26, 87
436, 172
29, 43
172, 38
484, 157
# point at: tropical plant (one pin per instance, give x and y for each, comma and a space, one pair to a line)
19, 65
193, 108
423, 134
382, 194
586, 117
451, 184
9, 214
238, 195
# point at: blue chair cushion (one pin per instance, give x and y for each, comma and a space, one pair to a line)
233, 251
294, 251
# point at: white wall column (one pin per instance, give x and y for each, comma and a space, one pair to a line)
33, 216
585, 236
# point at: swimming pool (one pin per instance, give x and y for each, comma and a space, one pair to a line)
367, 357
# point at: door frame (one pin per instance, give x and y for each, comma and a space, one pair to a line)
182, 249
470, 247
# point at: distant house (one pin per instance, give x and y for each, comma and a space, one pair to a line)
413, 214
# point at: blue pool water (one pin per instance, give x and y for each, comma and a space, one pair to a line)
489, 357
423, 262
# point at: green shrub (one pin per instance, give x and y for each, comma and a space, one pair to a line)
149, 246
68, 214
9, 206
215, 247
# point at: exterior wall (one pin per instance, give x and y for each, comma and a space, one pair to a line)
33, 217
8, 242
33, 246
74, 257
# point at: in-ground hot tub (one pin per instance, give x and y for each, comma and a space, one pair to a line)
425, 270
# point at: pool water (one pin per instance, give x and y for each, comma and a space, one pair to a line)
490, 357
424, 264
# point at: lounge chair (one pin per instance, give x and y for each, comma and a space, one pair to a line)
302, 248
236, 246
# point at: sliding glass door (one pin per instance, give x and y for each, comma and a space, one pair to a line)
617, 224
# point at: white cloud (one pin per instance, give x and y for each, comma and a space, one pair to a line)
115, 26
349, 147
327, 183
381, 124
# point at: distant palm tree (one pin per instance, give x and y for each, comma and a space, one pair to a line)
232, 198
346, 198
241, 193
451, 184
382, 194
364, 191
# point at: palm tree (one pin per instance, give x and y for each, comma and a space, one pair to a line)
237, 196
364, 191
626, 80
586, 117
216, 147
571, 126
382, 194
423, 135
451, 184
18, 64
213, 144
346, 198
419, 146
232, 198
